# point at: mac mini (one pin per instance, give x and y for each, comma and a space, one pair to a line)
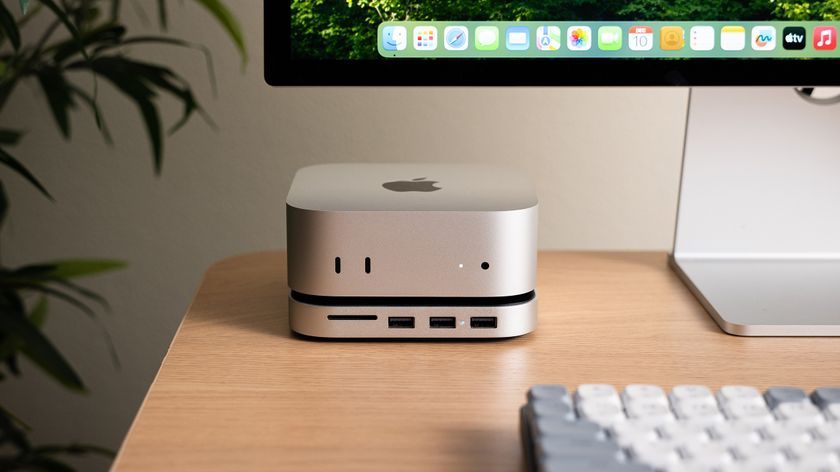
412, 251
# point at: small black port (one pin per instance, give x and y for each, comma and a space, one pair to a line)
442, 322
484, 322
485, 265
337, 265
367, 265
401, 322
352, 317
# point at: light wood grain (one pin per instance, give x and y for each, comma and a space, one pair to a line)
237, 391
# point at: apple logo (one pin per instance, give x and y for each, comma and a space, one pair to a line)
419, 184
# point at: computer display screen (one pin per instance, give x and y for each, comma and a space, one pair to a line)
663, 41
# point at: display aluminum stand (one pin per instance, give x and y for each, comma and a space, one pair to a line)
758, 230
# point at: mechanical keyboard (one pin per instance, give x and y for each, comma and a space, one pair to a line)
643, 428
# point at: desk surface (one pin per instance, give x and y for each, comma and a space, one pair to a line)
237, 391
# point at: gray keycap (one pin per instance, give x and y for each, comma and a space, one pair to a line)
566, 465
551, 426
547, 392
776, 395
561, 465
552, 407
825, 396
577, 448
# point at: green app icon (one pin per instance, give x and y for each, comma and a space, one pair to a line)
487, 38
609, 38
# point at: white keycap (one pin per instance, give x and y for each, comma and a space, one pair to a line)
603, 412
813, 449
729, 393
758, 463
689, 466
712, 453
646, 393
658, 454
650, 410
833, 412
799, 412
817, 463
732, 431
684, 432
829, 430
698, 410
789, 433
629, 432
768, 452
748, 409
600, 392
694, 393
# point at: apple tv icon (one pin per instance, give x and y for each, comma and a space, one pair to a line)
794, 38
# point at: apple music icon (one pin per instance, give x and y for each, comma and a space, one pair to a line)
825, 38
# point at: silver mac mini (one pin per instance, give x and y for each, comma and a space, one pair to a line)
412, 251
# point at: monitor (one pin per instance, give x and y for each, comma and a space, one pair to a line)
757, 238
552, 42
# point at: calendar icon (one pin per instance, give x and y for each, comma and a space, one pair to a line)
640, 38
425, 38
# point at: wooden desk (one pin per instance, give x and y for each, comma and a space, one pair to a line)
237, 391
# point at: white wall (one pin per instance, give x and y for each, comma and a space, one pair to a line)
606, 163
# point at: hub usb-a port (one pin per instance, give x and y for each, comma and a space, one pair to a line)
483, 322
401, 322
441, 322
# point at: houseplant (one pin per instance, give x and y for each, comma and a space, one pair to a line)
81, 38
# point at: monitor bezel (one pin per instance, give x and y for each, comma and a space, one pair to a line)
281, 70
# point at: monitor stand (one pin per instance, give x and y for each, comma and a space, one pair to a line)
758, 227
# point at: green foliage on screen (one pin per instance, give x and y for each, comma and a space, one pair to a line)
346, 29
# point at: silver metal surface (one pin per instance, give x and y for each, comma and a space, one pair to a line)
311, 320
418, 243
758, 230
461, 187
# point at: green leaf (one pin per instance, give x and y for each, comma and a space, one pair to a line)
37, 278
208, 57
9, 345
168, 81
228, 22
89, 294
47, 290
9, 161
154, 128
57, 90
9, 27
39, 349
107, 34
123, 73
162, 16
63, 18
97, 112
115, 9
39, 312
24, 6
14, 430
10, 137
72, 268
